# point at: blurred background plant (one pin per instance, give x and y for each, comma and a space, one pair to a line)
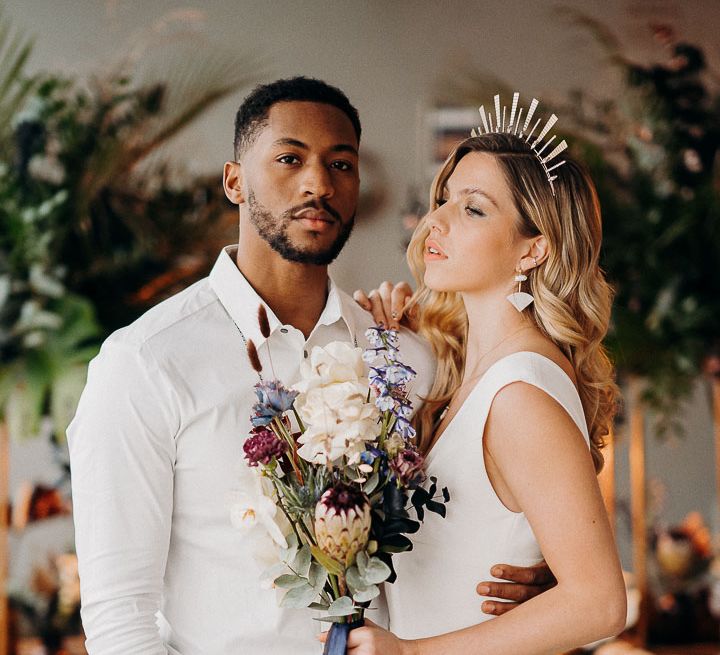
50, 608
653, 152
96, 222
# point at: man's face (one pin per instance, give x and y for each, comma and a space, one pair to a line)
300, 181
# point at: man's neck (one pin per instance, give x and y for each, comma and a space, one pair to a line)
296, 293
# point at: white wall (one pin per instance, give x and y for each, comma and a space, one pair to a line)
389, 58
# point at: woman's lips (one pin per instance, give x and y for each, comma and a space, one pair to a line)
433, 251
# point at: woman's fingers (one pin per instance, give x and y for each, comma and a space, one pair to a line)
399, 297
361, 299
377, 309
386, 303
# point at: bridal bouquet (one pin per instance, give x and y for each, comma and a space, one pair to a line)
337, 482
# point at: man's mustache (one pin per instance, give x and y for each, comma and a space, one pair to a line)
318, 205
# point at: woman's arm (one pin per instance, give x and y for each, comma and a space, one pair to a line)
544, 468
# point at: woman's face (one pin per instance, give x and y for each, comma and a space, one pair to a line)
474, 245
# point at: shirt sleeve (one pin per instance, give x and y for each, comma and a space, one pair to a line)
122, 454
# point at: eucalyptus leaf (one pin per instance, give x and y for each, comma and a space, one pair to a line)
299, 597
318, 576
343, 606
301, 563
377, 571
372, 483
330, 619
354, 580
366, 594
361, 561
289, 581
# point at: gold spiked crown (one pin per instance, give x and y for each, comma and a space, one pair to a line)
512, 126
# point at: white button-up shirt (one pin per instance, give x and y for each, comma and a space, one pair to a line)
156, 456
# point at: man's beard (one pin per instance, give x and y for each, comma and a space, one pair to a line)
274, 230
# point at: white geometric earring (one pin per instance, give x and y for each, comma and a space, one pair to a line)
520, 300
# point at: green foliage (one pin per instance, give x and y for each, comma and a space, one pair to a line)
654, 155
95, 226
655, 158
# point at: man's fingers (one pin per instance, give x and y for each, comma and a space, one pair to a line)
540, 574
362, 299
495, 608
511, 591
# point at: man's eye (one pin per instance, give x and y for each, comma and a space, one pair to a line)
474, 211
288, 159
342, 165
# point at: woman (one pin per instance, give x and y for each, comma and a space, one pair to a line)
521, 404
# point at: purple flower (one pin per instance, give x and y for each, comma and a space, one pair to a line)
407, 466
262, 446
274, 400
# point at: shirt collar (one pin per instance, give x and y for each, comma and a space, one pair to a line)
241, 301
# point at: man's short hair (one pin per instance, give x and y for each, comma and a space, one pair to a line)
253, 112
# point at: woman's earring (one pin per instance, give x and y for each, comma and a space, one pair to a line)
520, 300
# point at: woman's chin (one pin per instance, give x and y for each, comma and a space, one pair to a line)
439, 283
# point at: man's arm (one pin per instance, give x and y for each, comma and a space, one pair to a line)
523, 584
122, 459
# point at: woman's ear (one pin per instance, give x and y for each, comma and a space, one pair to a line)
536, 254
539, 249
232, 182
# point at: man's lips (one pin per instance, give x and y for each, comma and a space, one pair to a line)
315, 215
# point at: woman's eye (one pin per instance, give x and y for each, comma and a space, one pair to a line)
288, 159
474, 211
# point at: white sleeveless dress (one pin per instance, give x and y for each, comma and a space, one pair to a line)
435, 590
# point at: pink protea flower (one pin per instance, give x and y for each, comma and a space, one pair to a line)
342, 523
262, 446
407, 466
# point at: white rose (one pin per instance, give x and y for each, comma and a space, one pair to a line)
337, 362
339, 421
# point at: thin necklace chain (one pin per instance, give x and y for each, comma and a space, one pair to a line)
242, 336
475, 377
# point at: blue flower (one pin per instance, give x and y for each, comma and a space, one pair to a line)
403, 409
385, 402
403, 427
399, 373
274, 400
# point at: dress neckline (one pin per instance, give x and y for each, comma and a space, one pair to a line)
430, 454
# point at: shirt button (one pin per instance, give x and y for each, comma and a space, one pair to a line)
305, 354
284, 330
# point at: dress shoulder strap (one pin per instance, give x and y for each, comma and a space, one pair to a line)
540, 371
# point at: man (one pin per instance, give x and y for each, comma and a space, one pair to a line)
156, 445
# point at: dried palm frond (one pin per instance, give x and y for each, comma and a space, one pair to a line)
15, 49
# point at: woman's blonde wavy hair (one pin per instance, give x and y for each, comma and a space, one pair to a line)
572, 298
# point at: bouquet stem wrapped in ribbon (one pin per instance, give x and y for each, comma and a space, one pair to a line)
338, 472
